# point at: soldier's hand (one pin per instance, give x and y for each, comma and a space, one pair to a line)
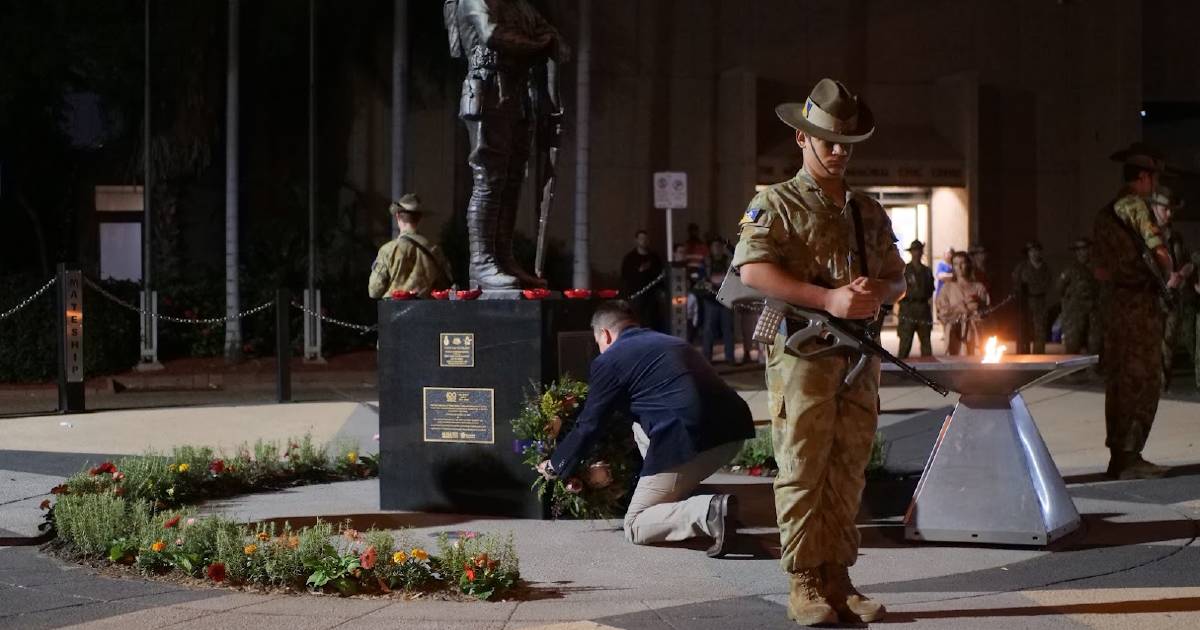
853, 301
1175, 280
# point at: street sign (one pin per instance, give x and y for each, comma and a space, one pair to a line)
670, 190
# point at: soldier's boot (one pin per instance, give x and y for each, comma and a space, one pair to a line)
505, 230
486, 272
851, 605
806, 605
1127, 466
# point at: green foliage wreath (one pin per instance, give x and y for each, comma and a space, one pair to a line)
600, 483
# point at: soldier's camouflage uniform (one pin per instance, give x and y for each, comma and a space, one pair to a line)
822, 436
1081, 322
916, 315
1179, 329
1035, 282
402, 266
1134, 316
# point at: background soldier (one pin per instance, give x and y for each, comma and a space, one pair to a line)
411, 262
799, 244
505, 42
1179, 328
1080, 301
1032, 279
916, 315
1133, 313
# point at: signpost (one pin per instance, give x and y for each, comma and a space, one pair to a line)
70, 317
670, 192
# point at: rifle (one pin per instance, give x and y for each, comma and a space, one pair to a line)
547, 139
836, 334
1147, 255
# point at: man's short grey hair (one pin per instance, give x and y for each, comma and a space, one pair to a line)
614, 315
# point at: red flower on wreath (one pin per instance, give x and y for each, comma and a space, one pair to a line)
216, 572
574, 485
217, 466
105, 468
171, 522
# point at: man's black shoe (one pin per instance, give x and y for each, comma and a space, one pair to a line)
722, 523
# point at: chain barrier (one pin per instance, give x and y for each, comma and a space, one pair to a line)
29, 300
170, 318
337, 322
637, 294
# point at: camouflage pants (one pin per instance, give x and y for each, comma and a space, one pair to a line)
1132, 363
905, 328
1034, 314
1181, 330
1081, 328
822, 441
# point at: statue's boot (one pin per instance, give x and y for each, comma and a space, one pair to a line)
851, 605
506, 229
806, 605
486, 272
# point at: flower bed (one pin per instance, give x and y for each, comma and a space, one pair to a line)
134, 513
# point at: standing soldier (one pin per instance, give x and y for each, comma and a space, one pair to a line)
1133, 313
1080, 298
1175, 332
410, 262
1032, 280
813, 242
916, 315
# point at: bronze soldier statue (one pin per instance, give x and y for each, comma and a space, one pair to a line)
916, 314
512, 54
1080, 293
1031, 281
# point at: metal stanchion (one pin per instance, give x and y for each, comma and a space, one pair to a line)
70, 340
283, 347
312, 326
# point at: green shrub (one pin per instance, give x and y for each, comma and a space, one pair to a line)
91, 522
480, 566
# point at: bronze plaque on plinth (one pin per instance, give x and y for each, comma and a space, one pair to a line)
460, 414
457, 350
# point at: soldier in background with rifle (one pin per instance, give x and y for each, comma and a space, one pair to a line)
812, 242
1134, 263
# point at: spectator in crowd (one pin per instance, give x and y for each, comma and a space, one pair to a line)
695, 247
641, 282
717, 320
959, 304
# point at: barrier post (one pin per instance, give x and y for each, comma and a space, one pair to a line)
70, 340
283, 347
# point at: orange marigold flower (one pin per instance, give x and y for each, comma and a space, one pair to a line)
250, 549
399, 557
183, 467
158, 546
419, 554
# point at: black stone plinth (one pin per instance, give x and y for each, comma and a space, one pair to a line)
517, 343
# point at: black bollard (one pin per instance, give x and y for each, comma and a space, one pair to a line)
283, 347
70, 340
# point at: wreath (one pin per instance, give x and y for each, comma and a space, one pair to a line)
601, 481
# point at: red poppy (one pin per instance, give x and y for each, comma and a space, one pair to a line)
577, 294
105, 468
470, 573
215, 572
171, 522
755, 471
606, 294
399, 294
470, 295
442, 294
217, 466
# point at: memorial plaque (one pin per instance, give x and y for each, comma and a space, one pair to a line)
457, 350
460, 414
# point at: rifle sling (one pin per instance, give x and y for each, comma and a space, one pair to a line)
1154, 283
425, 250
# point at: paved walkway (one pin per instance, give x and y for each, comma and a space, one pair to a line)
1133, 565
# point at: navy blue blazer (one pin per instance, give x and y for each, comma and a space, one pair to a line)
669, 389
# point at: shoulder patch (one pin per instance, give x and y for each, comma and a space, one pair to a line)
752, 215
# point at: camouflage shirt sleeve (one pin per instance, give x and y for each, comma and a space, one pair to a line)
1136, 214
380, 279
760, 233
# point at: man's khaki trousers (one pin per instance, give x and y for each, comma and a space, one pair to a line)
661, 508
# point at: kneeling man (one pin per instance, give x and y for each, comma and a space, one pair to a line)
688, 424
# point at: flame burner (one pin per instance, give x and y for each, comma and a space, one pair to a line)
990, 478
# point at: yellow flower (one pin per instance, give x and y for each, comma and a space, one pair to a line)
172, 467
250, 549
419, 554
158, 546
352, 457
399, 557
183, 468
264, 536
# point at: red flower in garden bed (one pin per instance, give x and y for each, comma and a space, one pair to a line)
217, 466
105, 468
59, 489
171, 522
215, 572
